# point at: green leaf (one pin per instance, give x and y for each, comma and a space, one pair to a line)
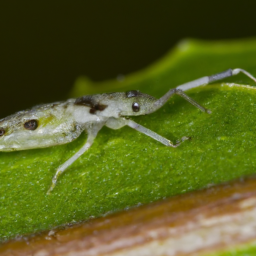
248, 249
125, 168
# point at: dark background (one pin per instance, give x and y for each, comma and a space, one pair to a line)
46, 45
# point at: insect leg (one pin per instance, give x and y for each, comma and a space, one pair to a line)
154, 135
92, 133
115, 123
160, 102
209, 79
196, 83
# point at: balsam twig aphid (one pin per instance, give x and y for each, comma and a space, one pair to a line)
62, 122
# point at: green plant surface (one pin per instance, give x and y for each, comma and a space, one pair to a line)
124, 168
243, 250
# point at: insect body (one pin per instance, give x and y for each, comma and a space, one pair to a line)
62, 122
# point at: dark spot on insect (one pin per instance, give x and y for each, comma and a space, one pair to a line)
132, 93
85, 101
92, 111
31, 124
99, 107
2, 131
136, 107
89, 102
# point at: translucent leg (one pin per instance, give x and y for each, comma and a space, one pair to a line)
115, 123
160, 102
92, 133
216, 77
154, 135
196, 83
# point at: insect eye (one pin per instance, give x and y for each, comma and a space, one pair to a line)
136, 107
31, 124
2, 131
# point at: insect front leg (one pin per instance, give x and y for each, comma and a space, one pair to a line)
116, 123
92, 133
196, 83
160, 102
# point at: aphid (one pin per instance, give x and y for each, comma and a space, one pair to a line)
62, 122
